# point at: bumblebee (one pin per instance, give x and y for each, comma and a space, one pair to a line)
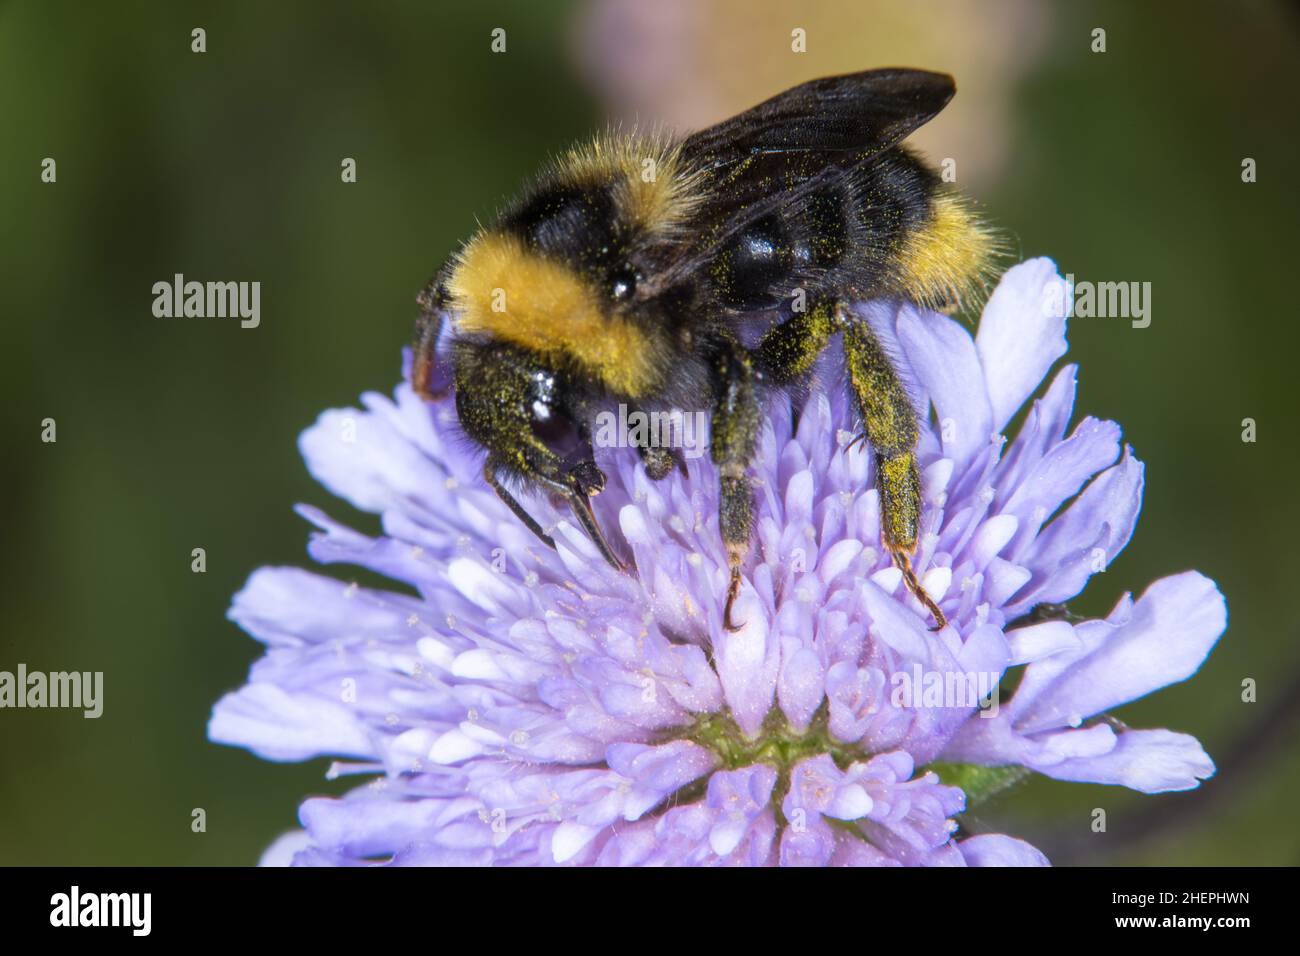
704, 273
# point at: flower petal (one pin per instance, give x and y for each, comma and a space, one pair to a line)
1163, 640
943, 356
1021, 333
277, 725
996, 849
1149, 761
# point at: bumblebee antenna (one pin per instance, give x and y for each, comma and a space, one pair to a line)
425, 377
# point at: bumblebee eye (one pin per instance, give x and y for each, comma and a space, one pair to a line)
623, 284
548, 419
556, 430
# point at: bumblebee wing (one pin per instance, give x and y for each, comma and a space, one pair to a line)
794, 143
855, 114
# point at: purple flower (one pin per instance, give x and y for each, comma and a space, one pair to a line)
517, 705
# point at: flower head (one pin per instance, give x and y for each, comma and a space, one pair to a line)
519, 705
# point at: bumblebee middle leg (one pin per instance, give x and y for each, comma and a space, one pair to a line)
890, 423
784, 354
734, 434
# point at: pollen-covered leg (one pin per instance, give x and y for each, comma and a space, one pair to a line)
899, 484
736, 417
788, 351
890, 425
659, 461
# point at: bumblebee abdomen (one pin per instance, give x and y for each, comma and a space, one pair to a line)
929, 246
888, 228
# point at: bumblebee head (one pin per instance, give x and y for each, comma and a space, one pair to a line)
555, 304
533, 421
566, 272
528, 415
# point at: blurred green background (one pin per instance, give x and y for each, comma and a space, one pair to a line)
176, 434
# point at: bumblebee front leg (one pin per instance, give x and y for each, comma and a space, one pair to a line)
890, 424
576, 486
511, 502
735, 422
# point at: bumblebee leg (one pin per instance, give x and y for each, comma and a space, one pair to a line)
576, 491
890, 424
490, 476
659, 462
788, 351
581, 506
658, 458
578, 486
428, 328
736, 418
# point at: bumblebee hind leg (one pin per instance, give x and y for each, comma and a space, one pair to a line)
785, 354
889, 421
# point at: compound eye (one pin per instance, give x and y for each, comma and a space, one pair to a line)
549, 421
623, 284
